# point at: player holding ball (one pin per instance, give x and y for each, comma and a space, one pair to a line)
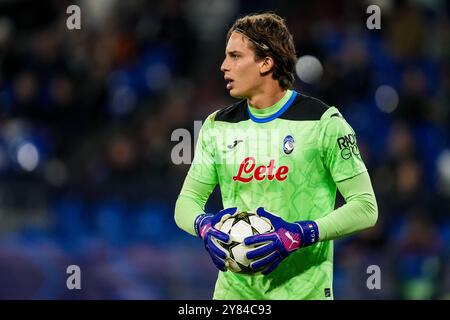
281, 155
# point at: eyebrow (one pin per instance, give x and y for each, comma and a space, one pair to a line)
233, 52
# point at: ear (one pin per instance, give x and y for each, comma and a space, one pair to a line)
267, 64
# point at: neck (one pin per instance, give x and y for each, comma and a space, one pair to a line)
266, 97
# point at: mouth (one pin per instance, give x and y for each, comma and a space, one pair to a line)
229, 83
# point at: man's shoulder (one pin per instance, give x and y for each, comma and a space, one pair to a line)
234, 113
305, 108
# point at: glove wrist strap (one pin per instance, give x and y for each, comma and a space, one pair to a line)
309, 231
198, 221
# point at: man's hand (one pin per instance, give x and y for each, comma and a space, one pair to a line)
204, 227
277, 245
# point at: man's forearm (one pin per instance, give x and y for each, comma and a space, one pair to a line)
191, 202
359, 213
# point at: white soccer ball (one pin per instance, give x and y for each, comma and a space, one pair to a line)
240, 226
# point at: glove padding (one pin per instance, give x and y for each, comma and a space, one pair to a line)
212, 237
277, 245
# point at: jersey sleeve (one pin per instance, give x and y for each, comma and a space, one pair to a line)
359, 213
203, 166
191, 202
339, 149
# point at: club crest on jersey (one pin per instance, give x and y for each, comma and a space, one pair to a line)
288, 144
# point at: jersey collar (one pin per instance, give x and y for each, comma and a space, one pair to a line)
281, 106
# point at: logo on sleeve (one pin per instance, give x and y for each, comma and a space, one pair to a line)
347, 145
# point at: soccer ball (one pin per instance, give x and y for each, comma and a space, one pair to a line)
240, 226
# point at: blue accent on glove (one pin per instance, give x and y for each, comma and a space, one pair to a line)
275, 246
204, 228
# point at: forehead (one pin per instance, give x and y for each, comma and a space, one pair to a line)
238, 42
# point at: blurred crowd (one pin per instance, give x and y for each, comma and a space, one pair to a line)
86, 118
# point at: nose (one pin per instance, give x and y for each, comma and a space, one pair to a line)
224, 67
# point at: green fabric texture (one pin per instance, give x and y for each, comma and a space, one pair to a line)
360, 211
297, 184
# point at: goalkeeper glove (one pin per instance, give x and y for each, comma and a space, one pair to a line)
277, 245
204, 228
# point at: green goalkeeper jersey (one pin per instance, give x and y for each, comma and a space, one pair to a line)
286, 158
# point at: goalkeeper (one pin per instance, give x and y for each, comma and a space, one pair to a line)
283, 155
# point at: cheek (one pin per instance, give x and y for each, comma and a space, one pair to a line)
248, 70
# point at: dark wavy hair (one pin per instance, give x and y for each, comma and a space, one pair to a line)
270, 36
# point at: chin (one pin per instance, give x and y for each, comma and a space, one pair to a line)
235, 94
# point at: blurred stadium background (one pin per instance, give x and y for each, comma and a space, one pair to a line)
86, 117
